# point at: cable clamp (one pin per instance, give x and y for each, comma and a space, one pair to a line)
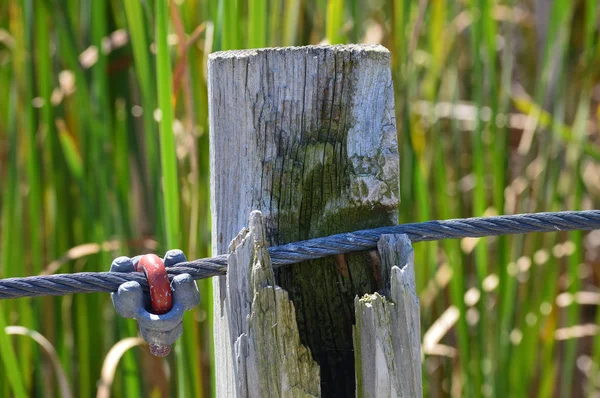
159, 313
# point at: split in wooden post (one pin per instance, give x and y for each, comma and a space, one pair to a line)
268, 359
387, 335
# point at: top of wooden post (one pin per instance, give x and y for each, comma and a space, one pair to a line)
370, 49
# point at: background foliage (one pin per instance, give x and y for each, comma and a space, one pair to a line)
103, 152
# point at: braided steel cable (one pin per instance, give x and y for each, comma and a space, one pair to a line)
87, 282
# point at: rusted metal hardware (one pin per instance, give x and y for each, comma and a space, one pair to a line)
160, 313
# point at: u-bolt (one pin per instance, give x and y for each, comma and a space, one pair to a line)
160, 292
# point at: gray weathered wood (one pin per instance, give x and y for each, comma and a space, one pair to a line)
307, 136
387, 336
268, 359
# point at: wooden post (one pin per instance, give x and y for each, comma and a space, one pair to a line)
307, 136
387, 336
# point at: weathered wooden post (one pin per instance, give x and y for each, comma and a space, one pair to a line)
307, 136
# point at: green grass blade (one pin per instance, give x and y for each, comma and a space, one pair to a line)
168, 159
72, 155
335, 21
291, 18
230, 27
257, 23
274, 25
9, 359
144, 70
167, 140
11, 370
33, 161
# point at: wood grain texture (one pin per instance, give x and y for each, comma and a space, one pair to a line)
307, 136
387, 335
268, 359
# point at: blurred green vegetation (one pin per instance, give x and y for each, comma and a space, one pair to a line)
104, 152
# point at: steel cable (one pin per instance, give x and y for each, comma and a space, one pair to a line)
87, 282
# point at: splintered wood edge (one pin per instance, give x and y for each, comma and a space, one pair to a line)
387, 332
267, 353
